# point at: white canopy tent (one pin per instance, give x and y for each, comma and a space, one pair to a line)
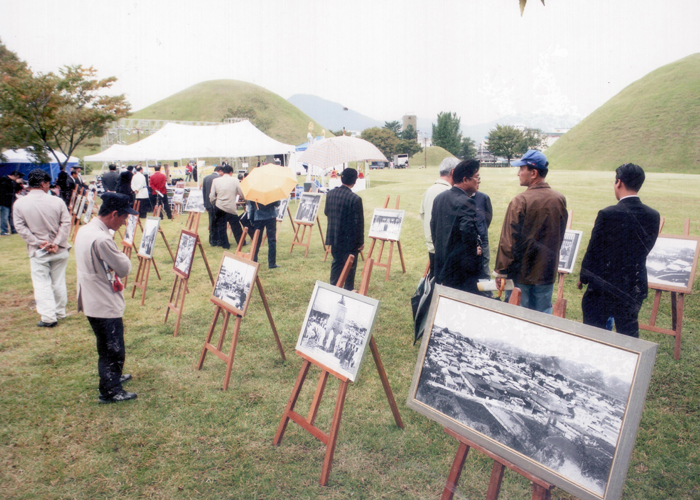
175, 141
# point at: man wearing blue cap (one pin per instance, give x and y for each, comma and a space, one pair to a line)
533, 230
100, 267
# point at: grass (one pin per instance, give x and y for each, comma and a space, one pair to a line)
184, 437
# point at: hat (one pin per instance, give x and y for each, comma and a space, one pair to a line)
532, 158
118, 202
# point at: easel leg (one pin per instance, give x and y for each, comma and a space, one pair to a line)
655, 308
333, 436
371, 248
145, 282
296, 236
308, 240
170, 300
677, 309
208, 339
316, 402
156, 268
269, 317
496, 480
385, 382
206, 262
455, 472
181, 291
292, 401
139, 277
388, 263
403, 266
234, 341
167, 245
540, 493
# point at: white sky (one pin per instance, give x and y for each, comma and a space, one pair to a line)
382, 58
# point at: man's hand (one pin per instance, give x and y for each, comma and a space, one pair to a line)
499, 282
579, 285
361, 248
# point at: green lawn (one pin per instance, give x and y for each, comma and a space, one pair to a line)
186, 438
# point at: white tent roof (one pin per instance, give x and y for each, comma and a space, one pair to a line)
24, 156
175, 141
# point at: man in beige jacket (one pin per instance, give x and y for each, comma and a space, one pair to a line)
100, 267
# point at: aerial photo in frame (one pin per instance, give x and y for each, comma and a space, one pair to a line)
337, 329
544, 398
130, 230
234, 283
195, 201
671, 263
569, 250
308, 208
185, 253
386, 224
148, 241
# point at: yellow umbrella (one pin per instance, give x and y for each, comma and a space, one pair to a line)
268, 183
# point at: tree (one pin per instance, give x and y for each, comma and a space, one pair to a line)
409, 148
385, 140
508, 141
55, 112
394, 126
446, 133
533, 138
409, 133
467, 151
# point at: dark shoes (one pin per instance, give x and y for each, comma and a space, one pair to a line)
46, 325
273, 266
117, 398
124, 378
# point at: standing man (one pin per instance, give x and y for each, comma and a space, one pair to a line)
264, 217
454, 231
100, 267
224, 192
615, 264
484, 215
160, 192
43, 222
426, 207
9, 187
77, 178
140, 189
206, 191
65, 184
533, 230
110, 179
346, 226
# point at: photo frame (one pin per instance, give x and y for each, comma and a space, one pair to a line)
386, 224
307, 211
672, 262
88, 212
130, 230
81, 207
557, 398
148, 240
195, 201
281, 209
337, 329
234, 283
185, 253
76, 205
178, 196
569, 250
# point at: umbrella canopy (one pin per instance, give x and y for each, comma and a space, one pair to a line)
268, 183
342, 149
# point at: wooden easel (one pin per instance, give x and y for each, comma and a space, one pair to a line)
137, 207
75, 216
307, 423
541, 490
379, 263
562, 276
156, 213
299, 240
141, 280
73, 195
677, 306
217, 350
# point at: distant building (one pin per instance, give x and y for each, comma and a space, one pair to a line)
409, 120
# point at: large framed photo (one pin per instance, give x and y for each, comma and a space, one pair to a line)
148, 241
386, 224
77, 205
90, 209
569, 250
308, 208
672, 262
185, 253
195, 201
559, 399
282, 208
130, 230
179, 196
234, 283
337, 329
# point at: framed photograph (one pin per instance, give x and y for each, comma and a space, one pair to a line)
195, 201
337, 329
559, 399
234, 283
178, 196
671, 263
308, 208
569, 250
81, 207
76, 205
386, 224
185, 253
130, 230
90, 209
282, 209
148, 241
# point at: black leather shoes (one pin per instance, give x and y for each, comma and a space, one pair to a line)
117, 398
273, 266
124, 378
46, 325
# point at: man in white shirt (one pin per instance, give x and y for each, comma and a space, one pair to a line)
140, 189
223, 196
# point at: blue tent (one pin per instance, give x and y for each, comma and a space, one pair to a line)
303, 147
23, 161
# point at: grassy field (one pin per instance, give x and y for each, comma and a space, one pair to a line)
186, 438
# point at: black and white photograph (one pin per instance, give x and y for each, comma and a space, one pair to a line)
337, 329
148, 241
185, 253
308, 208
282, 208
569, 250
178, 196
234, 283
671, 263
90, 209
130, 229
555, 398
81, 207
78, 200
195, 201
386, 224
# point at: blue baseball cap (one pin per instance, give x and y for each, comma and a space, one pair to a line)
532, 158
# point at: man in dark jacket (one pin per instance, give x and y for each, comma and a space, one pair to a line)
206, 190
110, 179
9, 187
614, 267
454, 231
346, 226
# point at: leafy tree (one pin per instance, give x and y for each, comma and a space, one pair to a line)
446, 133
533, 138
385, 140
409, 148
409, 134
394, 126
468, 149
508, 141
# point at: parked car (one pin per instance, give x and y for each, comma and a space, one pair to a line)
377, 164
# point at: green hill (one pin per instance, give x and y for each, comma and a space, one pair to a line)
435, 155
209, 101
654, 122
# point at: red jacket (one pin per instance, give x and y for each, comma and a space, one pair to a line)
157, 182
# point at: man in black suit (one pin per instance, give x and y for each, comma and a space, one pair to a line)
453, 228
110, 179
346, 226
614, 267
206, 189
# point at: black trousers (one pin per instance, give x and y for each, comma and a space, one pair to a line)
221, 220
339, 260
213, 236
599, 306
270, 227
109, 333
144, 207
162, 201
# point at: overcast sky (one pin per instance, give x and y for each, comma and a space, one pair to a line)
382, 58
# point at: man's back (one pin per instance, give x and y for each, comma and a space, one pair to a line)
206, 188
110, 180
344, 210
42, 217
